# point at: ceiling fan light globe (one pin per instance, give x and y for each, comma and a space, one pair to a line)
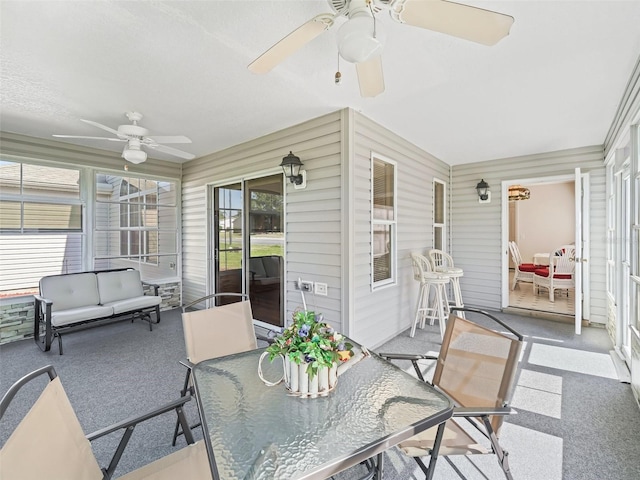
134, 156
356, 40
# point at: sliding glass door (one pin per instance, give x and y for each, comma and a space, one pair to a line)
249, 244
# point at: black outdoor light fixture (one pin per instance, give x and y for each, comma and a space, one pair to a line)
483, 190
291, 168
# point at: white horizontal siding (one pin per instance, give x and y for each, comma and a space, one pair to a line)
313, 219
382, 314
25, 259
194, 242
476, 228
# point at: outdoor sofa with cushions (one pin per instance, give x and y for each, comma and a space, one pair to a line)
265, 271
76, 301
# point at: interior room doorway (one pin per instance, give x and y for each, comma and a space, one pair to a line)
248, 244
541, 219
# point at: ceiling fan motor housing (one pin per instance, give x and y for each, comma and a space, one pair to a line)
132, 130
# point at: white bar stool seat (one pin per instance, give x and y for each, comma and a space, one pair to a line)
438, 309
442, 262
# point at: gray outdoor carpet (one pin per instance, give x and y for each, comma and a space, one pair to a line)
575, 421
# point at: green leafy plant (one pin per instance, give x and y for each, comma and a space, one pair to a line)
312, 341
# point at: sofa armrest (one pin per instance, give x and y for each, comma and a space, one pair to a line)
154, 285
40, 300
42, 313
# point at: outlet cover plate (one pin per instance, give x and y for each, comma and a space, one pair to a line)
321, 289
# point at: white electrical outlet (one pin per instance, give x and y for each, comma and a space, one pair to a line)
321, 289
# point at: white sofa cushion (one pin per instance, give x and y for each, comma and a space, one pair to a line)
70, 291
272, 266
80, 314
136, 303
257, 267
122, 285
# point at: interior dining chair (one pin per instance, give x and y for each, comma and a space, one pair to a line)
523, 271
49, 443
476, 368
215, 332
559, 275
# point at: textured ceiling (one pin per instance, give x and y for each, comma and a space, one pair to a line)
554, 83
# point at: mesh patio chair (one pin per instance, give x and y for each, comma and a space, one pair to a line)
215, 332
49, 442
476, 368
523, 271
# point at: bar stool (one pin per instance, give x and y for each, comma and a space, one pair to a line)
442, 262
438, 309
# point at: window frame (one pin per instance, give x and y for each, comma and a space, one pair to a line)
443, 225
22, 199
144, 255
392, 224
142, 258
18, 289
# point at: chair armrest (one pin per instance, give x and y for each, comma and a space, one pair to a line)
133, 421
413, 358
482, 411
406, 356
265, 338
186, 363
129, 424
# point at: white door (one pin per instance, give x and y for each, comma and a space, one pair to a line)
581, 275
623, 262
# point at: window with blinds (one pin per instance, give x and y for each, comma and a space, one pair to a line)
439, 215
383, 221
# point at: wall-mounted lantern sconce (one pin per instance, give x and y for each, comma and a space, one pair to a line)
484, 195
291, 168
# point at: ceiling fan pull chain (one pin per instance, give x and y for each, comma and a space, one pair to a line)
375, 32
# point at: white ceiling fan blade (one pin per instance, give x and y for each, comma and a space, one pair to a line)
462, 21
370, 77
168, 139
171, 151
291, 43
91, 138
103, 127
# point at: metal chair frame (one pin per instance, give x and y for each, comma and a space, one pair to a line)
187, 388
127, 426
485, 420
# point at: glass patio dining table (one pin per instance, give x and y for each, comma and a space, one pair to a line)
253, 431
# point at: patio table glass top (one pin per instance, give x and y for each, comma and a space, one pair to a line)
260, 432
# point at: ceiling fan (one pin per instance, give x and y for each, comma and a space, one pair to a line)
136, 138
360, 39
